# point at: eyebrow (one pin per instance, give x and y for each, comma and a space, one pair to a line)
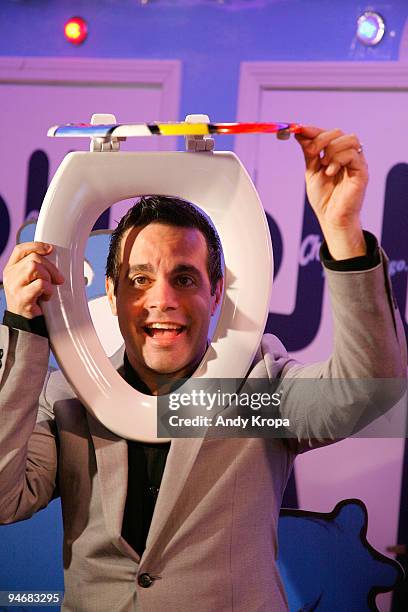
140, 268
186, 268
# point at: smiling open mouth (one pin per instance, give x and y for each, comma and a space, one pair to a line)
164, 330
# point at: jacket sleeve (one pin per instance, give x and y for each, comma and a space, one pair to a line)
366, 373
28, 443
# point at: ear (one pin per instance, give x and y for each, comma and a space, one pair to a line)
110, 292
217, 296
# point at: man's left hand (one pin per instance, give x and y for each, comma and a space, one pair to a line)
336, 180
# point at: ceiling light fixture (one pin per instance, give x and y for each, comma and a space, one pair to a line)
76, 30
370, 28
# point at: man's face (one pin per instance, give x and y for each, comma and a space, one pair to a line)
163, 299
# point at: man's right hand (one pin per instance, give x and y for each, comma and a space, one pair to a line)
29, 277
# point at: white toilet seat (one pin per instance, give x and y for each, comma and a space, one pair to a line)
84, 186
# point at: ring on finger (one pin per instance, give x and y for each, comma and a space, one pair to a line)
360, 148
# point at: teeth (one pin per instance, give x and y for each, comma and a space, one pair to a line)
163, 326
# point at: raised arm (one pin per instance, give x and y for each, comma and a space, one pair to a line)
28, 450
348, 390
336, 180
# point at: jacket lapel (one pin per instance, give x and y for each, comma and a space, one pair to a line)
112, 462
180, 460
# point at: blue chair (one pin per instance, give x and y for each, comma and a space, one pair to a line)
326, 562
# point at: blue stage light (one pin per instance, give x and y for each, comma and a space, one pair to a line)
370, 28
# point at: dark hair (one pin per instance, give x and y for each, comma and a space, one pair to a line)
170, 211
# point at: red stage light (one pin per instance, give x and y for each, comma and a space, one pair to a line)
76, 30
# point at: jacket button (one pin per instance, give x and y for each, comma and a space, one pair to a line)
145, 580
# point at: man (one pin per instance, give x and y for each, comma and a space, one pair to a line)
211, 542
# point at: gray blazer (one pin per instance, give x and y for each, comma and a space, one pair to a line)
212, 544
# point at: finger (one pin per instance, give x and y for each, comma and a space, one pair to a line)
343, 143
22, 274
22, 250
307, 139
35, 271
309, 132
333, 169
349, 159
322, 140
46, 297
36, 260
38, 288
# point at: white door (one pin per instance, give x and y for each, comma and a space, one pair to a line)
370, 100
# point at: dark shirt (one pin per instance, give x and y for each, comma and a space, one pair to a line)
146, 462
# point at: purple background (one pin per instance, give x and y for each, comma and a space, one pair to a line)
210, 39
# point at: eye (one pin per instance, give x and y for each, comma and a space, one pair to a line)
185, 281
140, 281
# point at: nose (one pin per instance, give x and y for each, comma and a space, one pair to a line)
162, 295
